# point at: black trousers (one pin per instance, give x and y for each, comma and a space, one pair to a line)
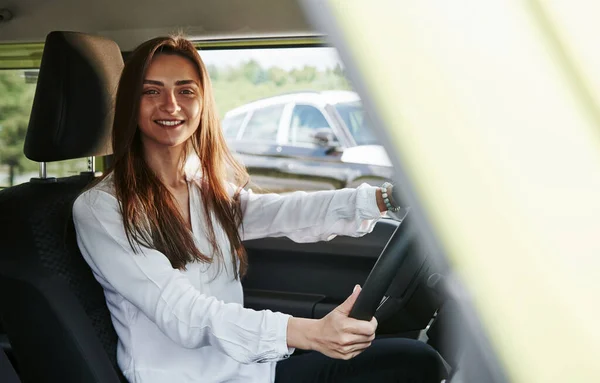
385, 361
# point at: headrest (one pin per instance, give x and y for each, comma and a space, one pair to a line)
73, 108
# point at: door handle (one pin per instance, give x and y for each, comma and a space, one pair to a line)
286, 166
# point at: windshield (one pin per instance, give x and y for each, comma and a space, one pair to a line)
354, 117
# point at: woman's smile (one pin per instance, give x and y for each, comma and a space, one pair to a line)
170, 124
170, 103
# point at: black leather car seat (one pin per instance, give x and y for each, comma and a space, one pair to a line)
52, 308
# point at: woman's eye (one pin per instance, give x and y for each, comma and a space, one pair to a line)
187, 91
150, 91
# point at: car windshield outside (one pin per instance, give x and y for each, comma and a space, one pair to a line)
354, 117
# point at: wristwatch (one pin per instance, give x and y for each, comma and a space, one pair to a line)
386, 190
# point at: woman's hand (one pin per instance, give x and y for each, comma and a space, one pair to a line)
336, 335
341, 337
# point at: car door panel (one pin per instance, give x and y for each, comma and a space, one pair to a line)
263, 162
310, 279
274, 169
314, 168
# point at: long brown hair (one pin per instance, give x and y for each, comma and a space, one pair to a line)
150, 214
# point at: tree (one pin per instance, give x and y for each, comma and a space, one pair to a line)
213, 72
230, 73
254, 73
15, 107
339, 71
336, 78
278, 76
307, 74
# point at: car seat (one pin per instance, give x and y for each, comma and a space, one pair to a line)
52, 308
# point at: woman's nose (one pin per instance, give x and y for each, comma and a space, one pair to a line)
170, 104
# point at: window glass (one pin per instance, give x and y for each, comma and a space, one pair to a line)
263, 124
306, 121
354, 118
17, 88
232, 125
239, 76
313, 79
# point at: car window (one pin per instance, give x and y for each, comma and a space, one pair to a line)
264, 124
232, 125
302, 78
17, 88
306, 121
354, 117
240, 76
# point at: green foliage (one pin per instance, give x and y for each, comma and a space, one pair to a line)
307, 74
235, 86
253, 72
15, 107
339, 71
213, 71
278, 76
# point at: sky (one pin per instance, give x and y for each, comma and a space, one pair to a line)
285, 58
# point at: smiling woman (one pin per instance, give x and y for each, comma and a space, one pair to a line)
173, 114
170, 107
166, 246
489, 112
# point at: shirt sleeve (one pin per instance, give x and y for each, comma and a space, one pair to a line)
165, 295
310, 217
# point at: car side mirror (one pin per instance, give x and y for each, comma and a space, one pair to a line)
325, 138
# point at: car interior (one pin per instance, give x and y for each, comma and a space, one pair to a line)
55, 325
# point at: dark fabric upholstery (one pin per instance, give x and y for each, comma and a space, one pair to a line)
73, 110
45, 285
7, 372
35, 234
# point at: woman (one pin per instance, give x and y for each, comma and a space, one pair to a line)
166, 245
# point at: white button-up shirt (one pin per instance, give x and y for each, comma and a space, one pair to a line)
191, 326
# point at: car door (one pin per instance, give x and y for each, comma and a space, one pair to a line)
256, 144
313, 165
310, 279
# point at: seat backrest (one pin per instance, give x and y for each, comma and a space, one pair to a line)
7, 372
52, 308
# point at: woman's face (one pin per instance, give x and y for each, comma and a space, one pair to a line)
171, 102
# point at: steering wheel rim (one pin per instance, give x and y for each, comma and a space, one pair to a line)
384, 271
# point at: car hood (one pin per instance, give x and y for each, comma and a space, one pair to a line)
366, 154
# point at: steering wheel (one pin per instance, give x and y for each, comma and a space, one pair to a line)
394, 253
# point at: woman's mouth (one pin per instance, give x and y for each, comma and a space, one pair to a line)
169, 123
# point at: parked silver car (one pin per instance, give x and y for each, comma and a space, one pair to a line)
307, 141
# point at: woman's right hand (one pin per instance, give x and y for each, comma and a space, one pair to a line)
335, 335
341, 337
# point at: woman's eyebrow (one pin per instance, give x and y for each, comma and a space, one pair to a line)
186, 82
179, 82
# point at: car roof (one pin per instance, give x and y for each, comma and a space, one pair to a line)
329, 97
131, 22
